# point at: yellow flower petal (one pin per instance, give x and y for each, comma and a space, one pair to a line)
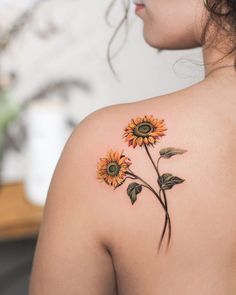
146, 140
134, 143
140, 141
151, 139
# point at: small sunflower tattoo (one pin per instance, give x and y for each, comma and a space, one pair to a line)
114, 168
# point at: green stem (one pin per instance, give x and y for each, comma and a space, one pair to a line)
165, 201
166, 205
155, 193
130, 177
146, 148
164, 229
160, 193
167, 218
157, 165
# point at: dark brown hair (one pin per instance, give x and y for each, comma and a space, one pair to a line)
221, 22
124, 20
221, 18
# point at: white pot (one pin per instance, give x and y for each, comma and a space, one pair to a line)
46, 137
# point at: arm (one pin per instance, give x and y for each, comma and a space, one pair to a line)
70, 256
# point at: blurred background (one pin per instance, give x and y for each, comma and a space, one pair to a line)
54, 72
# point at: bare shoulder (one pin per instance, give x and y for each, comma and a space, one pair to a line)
163, 193
130, 179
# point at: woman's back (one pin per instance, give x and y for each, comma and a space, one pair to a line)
201, 258
93, 240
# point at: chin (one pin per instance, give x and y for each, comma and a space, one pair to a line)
169, 42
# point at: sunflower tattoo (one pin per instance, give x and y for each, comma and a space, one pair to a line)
114, 168
145, 130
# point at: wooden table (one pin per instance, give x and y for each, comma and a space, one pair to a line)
18, 217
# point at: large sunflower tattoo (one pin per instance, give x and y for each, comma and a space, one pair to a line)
144, 130
112, 168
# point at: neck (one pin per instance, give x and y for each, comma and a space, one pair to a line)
219, 68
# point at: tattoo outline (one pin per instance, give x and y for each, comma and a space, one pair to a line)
114, 168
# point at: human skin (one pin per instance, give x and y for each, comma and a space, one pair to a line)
93, 240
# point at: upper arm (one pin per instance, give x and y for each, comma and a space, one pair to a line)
70, 256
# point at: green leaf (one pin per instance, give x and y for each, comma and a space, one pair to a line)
167, 181
133, 190
171, 151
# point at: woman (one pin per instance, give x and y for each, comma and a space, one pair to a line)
142, 200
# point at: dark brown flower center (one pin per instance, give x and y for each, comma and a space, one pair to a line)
113, 168
143, 129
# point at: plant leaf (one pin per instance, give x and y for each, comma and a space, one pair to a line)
167, 181
171, 151
133, 190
